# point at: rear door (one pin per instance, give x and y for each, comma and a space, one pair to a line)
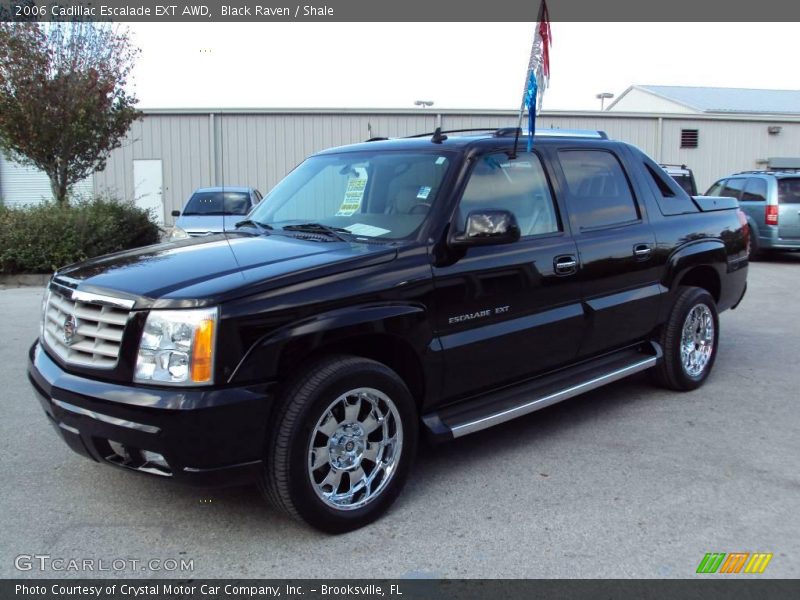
619, 271
506, 312
789, 208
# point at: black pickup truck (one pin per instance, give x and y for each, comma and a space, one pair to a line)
385, 290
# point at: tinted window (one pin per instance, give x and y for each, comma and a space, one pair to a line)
755, 190
600, 194
518, 185
661, 183
716, 189
789, 191
218, 203
732, 188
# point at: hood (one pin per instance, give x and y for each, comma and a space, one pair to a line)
208, 269
201, 224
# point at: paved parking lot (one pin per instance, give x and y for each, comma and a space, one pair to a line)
626, 481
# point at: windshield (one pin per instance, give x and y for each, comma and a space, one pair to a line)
384, 195
218, 203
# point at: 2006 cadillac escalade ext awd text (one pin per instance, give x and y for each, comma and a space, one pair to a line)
382, 290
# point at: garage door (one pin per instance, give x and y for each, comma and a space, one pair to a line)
26, 185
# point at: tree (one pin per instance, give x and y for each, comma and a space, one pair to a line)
63, 103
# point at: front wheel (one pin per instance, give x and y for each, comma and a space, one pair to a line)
689, 339
342, 444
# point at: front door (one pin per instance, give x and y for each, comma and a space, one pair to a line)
148, 187
509, 311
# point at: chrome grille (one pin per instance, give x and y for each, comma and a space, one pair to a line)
94, 335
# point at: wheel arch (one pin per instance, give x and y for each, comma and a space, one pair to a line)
701, 264
397, 335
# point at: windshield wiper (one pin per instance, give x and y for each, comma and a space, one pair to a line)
263, 227
320, 228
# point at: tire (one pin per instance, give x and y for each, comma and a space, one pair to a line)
687, 368
329, 461
755, 250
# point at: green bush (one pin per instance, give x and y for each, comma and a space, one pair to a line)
42, 238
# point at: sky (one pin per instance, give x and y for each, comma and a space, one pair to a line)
455, 65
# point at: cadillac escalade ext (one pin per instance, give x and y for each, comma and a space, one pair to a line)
382, 291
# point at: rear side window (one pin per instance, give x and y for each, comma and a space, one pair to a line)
660, 181
755, 190
789, 191
732, 188
599, 192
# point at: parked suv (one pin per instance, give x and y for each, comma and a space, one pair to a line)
771, 202
436, 285
214, 210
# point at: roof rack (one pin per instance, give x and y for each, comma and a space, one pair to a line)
557, 133
772, 171
511, 131
440, 131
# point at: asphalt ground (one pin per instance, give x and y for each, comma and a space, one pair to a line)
625, 481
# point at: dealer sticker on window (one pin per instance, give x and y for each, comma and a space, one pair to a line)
352, 196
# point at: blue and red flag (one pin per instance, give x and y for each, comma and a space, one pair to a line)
538, 70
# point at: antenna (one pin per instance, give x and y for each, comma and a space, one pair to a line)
438, 136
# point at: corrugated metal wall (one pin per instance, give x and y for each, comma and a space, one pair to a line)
25, 185
181, 142
725, 147
259, 148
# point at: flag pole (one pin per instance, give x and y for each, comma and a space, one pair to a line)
513, 154
530, 72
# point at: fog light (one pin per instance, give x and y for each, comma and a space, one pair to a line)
154, 458
119, 450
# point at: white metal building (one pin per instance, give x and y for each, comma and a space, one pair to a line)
708, 100
169, 153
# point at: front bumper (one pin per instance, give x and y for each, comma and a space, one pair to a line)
211, 436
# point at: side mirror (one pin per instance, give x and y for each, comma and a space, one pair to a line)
487, 228
176, 213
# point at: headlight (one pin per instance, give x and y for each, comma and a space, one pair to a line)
177, 347
178, 234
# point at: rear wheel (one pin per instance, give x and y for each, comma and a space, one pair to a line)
689, 339
755, 251
342, 444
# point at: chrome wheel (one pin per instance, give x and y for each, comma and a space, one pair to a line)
697, 340
355, 448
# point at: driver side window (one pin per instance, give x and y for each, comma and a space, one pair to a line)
518, 185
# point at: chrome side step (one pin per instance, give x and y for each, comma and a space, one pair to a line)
506, 404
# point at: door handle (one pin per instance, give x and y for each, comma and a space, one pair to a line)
565, 265
642, 251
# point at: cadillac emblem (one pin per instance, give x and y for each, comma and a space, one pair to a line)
70, 329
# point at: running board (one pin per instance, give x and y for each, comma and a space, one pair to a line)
508, 403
